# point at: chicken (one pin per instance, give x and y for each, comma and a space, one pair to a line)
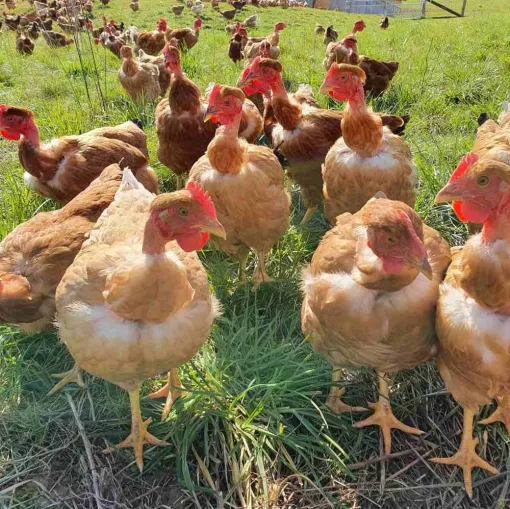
134, 5
65, 166
177, 9
139, 80
251, 22
319, 29
228, 14
245, 183
197, 8
331, 35
34, 31
56, 39
233, 28
136, 300
378, 74
345, 51
186, 37
151, 42
235, 47
23, 44
297, 128
105, 2
110, 42
238, 5
369, 299
261, 49
35, 255
183, 112
368, 158
11, 22
384, 22
273, 38
159, 62
474, 303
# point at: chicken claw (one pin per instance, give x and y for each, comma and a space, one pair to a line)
310, 211
501, 414
383, 416
68, 377
337, 406
171, 391
139, 434
260, 274
466, 457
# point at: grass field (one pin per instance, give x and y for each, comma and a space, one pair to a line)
253, 428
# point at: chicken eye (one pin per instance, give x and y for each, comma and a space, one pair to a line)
483, 181
226, 102
183, 212
343, 77
391, 240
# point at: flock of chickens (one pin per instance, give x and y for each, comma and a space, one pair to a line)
116, 267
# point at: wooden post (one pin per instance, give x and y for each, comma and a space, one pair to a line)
463, 11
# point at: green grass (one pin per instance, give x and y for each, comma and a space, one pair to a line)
255, 414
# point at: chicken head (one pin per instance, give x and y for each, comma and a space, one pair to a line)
16, 122
172, 57
394, 239
162, 25
225, 104
359, 26
197, 25
126, 52
344, 82
187, 216
478, 190
279, 26
263, 74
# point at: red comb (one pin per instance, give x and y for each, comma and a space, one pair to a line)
214, 92
198, 194
3, 107
468, 160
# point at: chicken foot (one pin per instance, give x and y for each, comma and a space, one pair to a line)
501, 414
139, 434
334, 401
260, 274
383, 416
466, 457
171, 391
310, 211
68, 377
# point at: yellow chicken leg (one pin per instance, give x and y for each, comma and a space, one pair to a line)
139, 434
171, 391
501, 414
466, 457
260, 274
310, 211
383, 416
68, 377
334, 401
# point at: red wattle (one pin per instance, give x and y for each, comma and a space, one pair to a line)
457, 208
9, 136
194, 241
391, 266
474, 213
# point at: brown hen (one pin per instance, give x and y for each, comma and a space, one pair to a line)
369, 299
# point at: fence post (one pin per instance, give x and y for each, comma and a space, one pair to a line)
463, 11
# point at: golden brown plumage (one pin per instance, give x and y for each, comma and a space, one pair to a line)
23, 44
65, 166
186, 37
153, 42
367, 158
245, 183
366, 309
379, 74
56, 39
182, 133
139, 80
159, 62
134, 302
474, 304
34, 256
298, 129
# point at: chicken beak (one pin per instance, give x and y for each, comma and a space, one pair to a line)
426, 269
450, 192
325, 87
243, 82
210, 112
214, 227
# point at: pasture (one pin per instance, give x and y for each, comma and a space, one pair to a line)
253, 427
